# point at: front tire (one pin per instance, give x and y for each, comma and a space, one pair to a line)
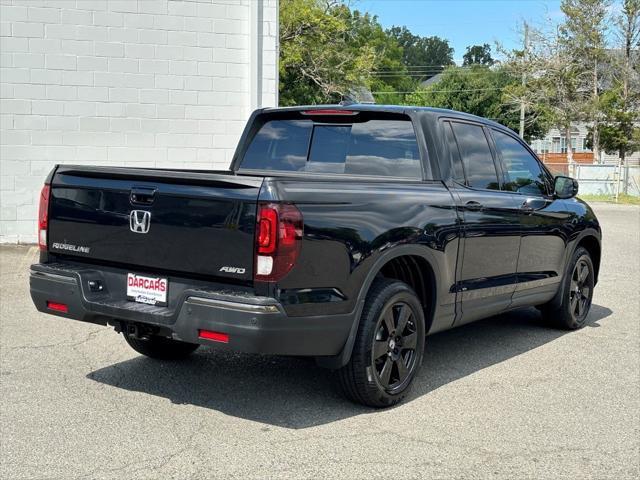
161, 348
388, 348
572, 313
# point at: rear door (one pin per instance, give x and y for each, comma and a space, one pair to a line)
542, 218
491, 218
147, 220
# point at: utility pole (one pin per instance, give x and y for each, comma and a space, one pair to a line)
524, 77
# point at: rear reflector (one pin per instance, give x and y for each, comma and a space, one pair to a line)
58, 307
214, 336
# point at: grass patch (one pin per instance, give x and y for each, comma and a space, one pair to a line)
625, 199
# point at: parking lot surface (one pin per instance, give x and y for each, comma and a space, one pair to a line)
506, 397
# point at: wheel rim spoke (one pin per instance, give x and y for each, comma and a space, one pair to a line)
380, 348
402, 369
574, 302
403, 318
388, 320
385, 373
584, 272
410, 341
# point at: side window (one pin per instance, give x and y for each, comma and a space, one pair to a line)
523, 172
456, 162
477, 158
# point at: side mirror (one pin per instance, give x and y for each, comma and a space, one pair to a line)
565, 187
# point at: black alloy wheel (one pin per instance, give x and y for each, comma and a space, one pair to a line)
388, 348
394, 347
570, 308
581, 290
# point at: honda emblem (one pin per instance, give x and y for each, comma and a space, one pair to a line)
139, 221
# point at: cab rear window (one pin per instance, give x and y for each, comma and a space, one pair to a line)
375, 147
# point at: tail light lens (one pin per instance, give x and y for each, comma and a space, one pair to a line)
43, 217
278, 238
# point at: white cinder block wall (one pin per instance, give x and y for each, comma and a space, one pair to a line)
157, 83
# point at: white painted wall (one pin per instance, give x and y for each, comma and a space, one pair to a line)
149, 83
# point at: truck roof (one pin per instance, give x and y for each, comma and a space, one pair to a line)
390, 109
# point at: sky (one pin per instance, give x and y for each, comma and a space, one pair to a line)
465, 22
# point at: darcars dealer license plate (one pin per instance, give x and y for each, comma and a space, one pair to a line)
149, 290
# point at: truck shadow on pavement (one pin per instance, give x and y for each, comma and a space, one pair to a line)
294, 393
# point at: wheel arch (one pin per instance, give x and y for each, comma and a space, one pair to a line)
592, 244
403, 263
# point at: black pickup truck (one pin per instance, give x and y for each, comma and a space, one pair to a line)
344, 233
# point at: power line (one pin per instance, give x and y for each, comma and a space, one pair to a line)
443, 91
426, 72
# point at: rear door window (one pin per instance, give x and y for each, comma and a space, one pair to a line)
373, 147
477, 159
456, 162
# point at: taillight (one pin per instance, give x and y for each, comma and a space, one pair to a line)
278, 238
43, 217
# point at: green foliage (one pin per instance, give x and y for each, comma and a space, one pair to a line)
478, 90
431, 54
619, 133
320, 62
478, 55
328, 51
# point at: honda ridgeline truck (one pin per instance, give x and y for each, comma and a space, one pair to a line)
344, 233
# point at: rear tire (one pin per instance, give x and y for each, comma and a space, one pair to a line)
577, 287
388, 349
161, 348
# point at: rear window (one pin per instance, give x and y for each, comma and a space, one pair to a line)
373, 147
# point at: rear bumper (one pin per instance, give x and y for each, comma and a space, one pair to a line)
253, 324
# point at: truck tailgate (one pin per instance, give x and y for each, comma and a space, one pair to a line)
167, 220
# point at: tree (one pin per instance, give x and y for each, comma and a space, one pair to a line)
619, 132
388, 74
329, 53
318, 63
423, 56
478, 55
478, 90
554, 87
583, 36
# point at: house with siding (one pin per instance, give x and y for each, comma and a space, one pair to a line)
552, 148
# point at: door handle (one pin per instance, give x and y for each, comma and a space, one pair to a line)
473, 206
142, 195
526, 208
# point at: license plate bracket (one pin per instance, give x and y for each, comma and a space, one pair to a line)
147, 290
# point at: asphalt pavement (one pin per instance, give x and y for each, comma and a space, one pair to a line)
506, 397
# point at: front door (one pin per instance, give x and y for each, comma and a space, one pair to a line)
542, 220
